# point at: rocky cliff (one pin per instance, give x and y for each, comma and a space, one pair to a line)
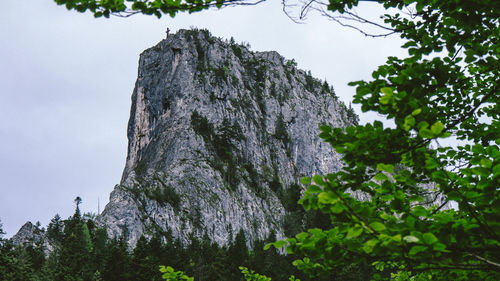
31, 234
218, 136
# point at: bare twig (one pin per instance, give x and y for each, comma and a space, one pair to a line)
458, 266
305, 8
485, 260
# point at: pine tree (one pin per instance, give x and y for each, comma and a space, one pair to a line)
55, 232
237, 255
144, 265
99, 241
117, 260
75, 254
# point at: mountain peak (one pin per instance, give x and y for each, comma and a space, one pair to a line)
219, 137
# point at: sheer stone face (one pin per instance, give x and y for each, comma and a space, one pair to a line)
217, 134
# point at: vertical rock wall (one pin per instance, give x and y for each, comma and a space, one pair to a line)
217, 136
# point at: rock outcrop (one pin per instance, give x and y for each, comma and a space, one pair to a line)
218, 135
31, 234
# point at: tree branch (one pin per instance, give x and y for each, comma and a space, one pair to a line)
458, 266
351, 210
486, 260
191, 8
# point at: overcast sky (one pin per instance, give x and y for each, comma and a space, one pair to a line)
66, 81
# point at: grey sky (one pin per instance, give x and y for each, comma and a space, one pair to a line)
66, 80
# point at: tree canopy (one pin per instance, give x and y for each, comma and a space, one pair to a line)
407, 198
125, 8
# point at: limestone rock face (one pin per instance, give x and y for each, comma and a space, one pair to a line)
30, 234
217, 136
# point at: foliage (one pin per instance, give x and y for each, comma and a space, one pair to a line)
125, 8
280, 131
170, 275
222, 141
311, 83
117, 259
237, 49
140, 169
202, 126
55, 229
251, 275
165, 194
221, 73
205, 260
352, 117
441, 212
75, 252
83, 251
275, 182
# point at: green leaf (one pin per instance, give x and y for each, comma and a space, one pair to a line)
354, 232
445, 135
409, 122
337, 208
349, 146
387, 91
410, 239
316, 232
380, 177
385, 99
416, 111
327, 197
318, 179
301, 236
439, 175
444, 218
439, 247
429, 238
314, 189
454, 195
396, 238
477, 148
422, 125
425, 133
481, 171
437, 128
496, 170
377, 226
486, 163
399, 194
420, 211
387, 197
417, 249
431, 164
369, 245
277, 244
325, 128
305, 180
386, 168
